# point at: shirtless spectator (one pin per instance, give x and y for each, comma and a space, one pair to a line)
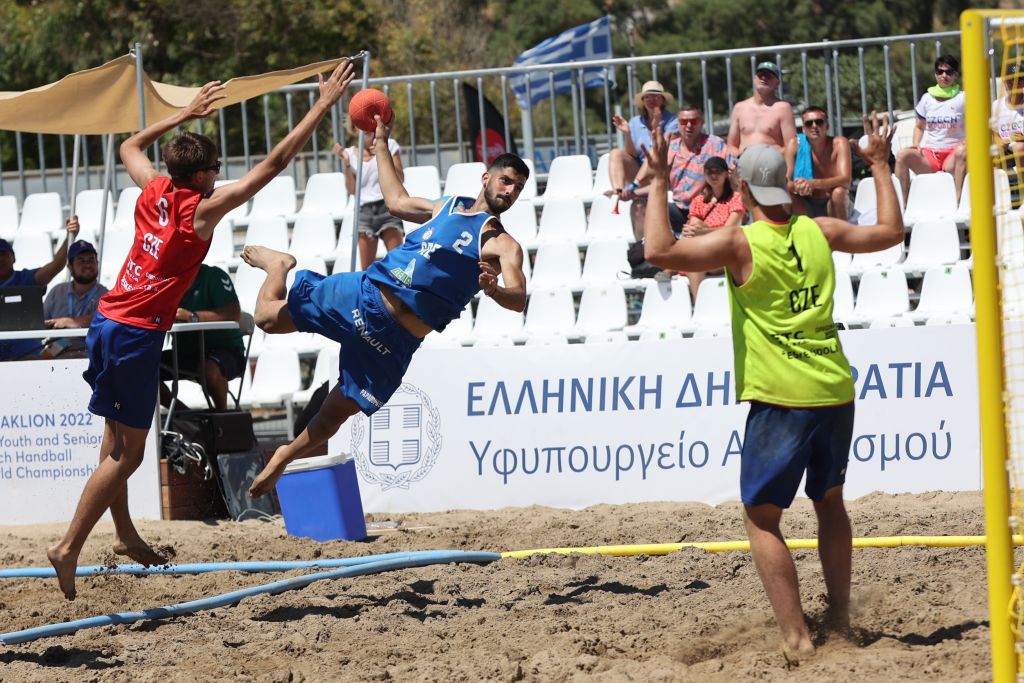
686, 157
819, 169
1008, 117
653, 101
763, 118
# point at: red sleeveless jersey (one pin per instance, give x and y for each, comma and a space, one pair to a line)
163, 260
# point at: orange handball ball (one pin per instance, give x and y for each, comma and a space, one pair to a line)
366, 104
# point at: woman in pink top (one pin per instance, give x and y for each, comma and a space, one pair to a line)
716, 205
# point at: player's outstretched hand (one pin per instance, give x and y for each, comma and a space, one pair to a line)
879, 139
332, 88
657, 155
488, 278
201, 105
380, 135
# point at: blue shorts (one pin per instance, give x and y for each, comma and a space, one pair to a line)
375, 349
124, 369
781, 443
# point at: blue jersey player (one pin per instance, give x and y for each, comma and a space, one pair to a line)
381, 316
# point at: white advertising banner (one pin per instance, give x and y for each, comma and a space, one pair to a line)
578, 425
50, 445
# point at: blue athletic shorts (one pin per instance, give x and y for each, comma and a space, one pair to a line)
375, 349
781, 443
124, 369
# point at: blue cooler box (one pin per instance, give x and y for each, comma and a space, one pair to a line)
320, 499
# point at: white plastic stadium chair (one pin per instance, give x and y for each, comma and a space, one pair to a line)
932, 197
529, 192
455, 333
237, 214
603, 223
946, 291
882, 294
32, 249
666, 306
602, 309
321, 374
89, 208
866, 198
274, 382
313, 235
563, 219
42, 212
568, 177
1009, 238
222, 246
552, 339
495, 322
277, 198
602, 182
551, 311
660, 335
248, 281
493, 342
609, 337
605, 262
520, 221
557, 264
1003, 198
842, 298
8, 217
422, 181
841, 260
268, 231
899, 321
464, 180
124, 217
711, 309
325, 193
932, 243
113, 252
886, 258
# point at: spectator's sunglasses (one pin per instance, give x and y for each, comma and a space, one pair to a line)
814, 122
695, 121
945, 72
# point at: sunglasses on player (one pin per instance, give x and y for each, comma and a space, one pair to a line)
214, 167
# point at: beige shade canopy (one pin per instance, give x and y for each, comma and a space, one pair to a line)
105, 99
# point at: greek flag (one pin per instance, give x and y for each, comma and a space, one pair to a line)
584, 42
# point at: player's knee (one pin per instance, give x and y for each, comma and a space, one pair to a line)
840, 194
618, 155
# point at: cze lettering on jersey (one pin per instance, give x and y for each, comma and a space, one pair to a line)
151, 245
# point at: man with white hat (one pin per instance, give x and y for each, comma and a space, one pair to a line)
762, 118
789, 361
653, 102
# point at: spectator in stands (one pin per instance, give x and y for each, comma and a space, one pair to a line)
653, 103
211, 298
716, 206
19, 349
939, 135
762, 118
1008, 116
374, 220
819, 167
72, 304
687, 155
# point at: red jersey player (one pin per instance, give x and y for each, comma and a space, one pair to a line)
174, 221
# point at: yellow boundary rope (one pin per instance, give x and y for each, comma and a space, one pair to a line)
793, 543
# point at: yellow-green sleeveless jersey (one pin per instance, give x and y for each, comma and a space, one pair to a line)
787, 348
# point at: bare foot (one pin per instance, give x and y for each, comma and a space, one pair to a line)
65, 565
265, 480
795, 655
267, 259
141, 552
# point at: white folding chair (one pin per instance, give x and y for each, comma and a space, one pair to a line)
602, 309
557, 264
666, 306
946, 291
464, 180
568, 177
562, 219
882, 294
42, 212
325, 194
551, 311
932, 243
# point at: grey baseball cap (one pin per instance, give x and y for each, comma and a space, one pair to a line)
763, 168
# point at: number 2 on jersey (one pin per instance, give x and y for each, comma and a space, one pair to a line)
464, 241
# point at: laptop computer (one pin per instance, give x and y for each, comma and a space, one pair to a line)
21, 308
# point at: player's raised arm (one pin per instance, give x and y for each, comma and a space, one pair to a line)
133, 150
399, 203
212, 210
843, 235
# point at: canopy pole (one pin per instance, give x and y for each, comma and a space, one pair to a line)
108, 176
140, 83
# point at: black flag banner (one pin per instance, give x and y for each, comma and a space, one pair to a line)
494, 126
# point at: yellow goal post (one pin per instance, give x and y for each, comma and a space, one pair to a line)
992, 43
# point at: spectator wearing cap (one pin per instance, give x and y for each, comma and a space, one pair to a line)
1008, 116
654, 105
16, 349
819, 168
717, 205
939, 134
762, 118
687, 155
73, 303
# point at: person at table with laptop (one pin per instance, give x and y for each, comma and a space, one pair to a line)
72, 304
26, 349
